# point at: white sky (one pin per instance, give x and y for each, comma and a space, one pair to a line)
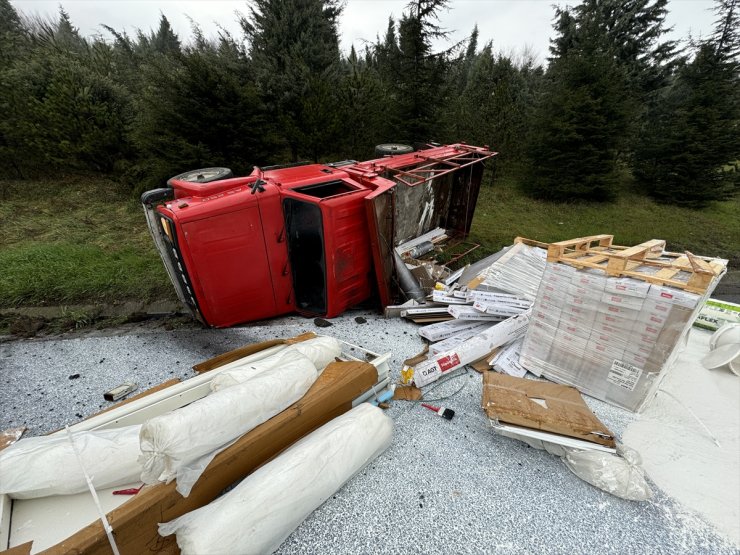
511, 24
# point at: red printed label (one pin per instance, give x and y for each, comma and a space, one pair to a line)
448, 362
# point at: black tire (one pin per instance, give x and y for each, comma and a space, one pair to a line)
203, 175
389, 149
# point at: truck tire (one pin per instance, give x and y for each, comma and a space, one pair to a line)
392, 148
203, 175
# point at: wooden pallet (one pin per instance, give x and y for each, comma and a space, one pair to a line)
647, 261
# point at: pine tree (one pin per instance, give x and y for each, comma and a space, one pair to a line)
12, 46
294, 48
692, 137
200, 109
581, 120
578, 123
419, 84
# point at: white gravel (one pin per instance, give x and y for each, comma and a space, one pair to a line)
442, 487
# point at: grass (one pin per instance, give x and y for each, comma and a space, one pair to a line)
84, 240
503, 213
75, 240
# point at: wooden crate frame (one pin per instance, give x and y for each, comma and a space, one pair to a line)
599, 252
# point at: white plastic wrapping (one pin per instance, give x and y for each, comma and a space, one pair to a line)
47, 465
173, 439
263, 510
619, 474
286, 357
320, 350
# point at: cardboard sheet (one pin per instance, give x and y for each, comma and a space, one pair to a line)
545, 406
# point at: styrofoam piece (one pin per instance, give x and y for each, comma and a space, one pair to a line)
721, 355
258, 514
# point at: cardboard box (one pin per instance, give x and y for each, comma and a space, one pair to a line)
633, 330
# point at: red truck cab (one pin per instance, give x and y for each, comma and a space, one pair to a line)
312, 238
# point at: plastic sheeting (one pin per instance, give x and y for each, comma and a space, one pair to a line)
171, 440
263, 510
47, 465
319, 352
287, 357
619, 474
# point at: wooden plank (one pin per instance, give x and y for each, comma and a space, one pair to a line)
604, 241
667, 273
699, 265
135, 522
642, 250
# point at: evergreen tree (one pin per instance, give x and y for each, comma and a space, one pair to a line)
362, 107
692, 136
294, 48
199, 108
12, 46
419, 83
578, 125
67, 110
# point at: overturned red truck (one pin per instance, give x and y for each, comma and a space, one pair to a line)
312, 238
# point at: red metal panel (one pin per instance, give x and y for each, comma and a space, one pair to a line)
273, 226
230, 267
348, 258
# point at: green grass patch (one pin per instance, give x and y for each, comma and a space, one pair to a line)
75, 240
504, 213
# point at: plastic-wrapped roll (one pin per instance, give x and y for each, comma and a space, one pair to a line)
320, 350
47, 465
286, 357
258, 514
173, 439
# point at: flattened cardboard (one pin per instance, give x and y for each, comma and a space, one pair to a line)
509, 400
407, 393
135, 522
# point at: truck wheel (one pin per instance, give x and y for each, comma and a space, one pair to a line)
203, 175
392, 148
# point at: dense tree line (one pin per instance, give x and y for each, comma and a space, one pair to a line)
616, 101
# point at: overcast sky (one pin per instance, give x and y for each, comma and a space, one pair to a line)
512, 25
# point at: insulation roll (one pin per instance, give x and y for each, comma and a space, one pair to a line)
258, 514
171, 440
286, 357
47, 465
320, 350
